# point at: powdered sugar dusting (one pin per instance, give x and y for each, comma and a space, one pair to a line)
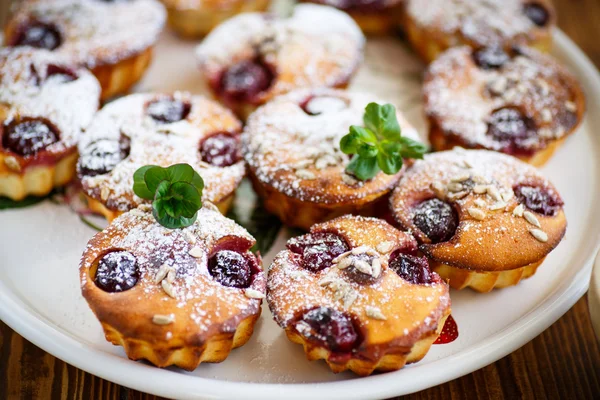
97, 32
299, 155
194, 298
483, 22
315, 46
156, 143
409, 310
460, 97
27, 91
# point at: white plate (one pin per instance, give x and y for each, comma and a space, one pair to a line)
41, 246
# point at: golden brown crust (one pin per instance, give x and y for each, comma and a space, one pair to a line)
112, 39
206, 318
395, 327
196, 19
494, 233
155, 143
315, 46
434, 26
548, 97
295, 161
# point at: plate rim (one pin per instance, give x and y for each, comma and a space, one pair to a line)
37, 329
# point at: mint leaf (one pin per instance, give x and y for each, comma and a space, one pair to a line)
382, 120
176, 193
139, 183
413, 149
363, 168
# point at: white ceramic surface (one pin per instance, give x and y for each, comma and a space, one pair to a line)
41, 246
594, 297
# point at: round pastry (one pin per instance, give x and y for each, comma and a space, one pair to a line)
354, 292
45, 103
436, 25
113, 39
292, 148
485, 220
519, 102
375, 17
158, 129
253, 57
196, 18
174, 297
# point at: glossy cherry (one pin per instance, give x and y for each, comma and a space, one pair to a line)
490, 57
102, 156
231, 268
411, 268
317, 249
329, 328
28, 136
39, 34
61, 73
538, 199
220, 149
167, 110
117, 272
436, 219
537, 13
246, 79
512, 129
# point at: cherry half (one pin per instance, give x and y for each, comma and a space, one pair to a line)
102, 156
167, 110
538, 199
246, 79
117, 272
40, 35
220, 149
493, 57
537, 13
411, 268
329, 328
232, 269
317, 249
436, 219
512, 129
28, 136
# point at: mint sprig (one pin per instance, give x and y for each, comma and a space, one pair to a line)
176, 193
379, 145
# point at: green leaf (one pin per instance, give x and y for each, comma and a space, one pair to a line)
389, 164
413, 149
382, 121
181, 173
186, 198
366, 150
351, 142
154, 176
363, 168
139, 183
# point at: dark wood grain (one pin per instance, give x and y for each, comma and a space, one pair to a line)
562, 363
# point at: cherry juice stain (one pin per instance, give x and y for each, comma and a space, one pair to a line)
449, 332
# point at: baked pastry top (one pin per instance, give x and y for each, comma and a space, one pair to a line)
253, 57
90, 32
293, 145
173, 296
157, 129
479, 210
353, 291
482, 23
516, 101
45, 104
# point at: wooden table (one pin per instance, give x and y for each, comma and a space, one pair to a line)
563, 362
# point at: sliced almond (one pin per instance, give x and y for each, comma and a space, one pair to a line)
476, 213
196, 252
375, 313
532, 219
539, 234
385, 247
160, 319
254, 294
519, 210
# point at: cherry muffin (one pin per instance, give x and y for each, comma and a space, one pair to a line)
519, 102
436, 25
113, 39
157, 129
174, 297
355, 293
373, 16
45, 103
292, 148
253, 57
485, 220
196, 18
